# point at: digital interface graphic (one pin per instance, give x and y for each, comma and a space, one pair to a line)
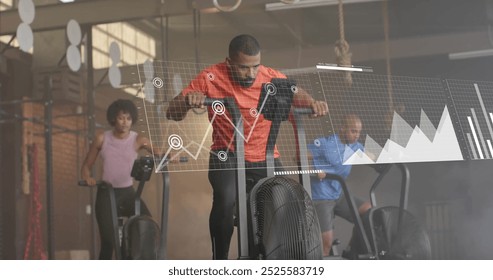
186, 144
404, 119
473, 102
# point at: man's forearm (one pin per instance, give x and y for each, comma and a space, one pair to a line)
302, 99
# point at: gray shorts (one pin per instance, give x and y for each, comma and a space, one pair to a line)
327, 209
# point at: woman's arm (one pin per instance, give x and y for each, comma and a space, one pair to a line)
91, 157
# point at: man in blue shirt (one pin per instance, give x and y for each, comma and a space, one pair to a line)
329, 154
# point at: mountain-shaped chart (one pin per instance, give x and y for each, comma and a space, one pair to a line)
424, 143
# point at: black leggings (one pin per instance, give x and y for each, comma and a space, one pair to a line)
222, 176
125, 205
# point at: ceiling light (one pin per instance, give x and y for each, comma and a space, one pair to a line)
310, 3
470, 54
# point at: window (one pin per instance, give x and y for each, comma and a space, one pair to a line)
135, 46
6, 4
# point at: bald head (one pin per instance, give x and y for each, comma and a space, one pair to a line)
351, 129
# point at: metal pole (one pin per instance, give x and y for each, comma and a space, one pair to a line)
163, 249
1, 188
91, 130
164, 35
303, 153
48, 116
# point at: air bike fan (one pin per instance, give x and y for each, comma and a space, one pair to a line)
284, 222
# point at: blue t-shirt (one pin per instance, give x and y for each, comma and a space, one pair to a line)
329, 154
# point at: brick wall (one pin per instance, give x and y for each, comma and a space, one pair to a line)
71, 224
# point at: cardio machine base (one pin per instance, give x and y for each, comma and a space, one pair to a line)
140, 239
394, 234
284, 221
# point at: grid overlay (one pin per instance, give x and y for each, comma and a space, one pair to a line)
186, 143
405, 119
473, 102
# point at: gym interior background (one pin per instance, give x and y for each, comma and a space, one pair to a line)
40, 163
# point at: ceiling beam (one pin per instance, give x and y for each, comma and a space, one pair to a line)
56, 16
149, 27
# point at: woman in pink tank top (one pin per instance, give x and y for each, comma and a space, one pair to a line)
118, 149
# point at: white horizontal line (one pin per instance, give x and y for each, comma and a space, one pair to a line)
298, 172
341, 68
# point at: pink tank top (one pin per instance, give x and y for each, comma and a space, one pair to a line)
118, 158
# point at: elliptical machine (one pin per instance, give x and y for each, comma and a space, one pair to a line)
138, 236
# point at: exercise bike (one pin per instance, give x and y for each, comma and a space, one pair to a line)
137, 236
392, 232
388, 232
276, 219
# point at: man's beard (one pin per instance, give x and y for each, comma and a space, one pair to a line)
243, 82
248, 82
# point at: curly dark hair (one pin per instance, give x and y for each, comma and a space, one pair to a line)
244, 43
121, 105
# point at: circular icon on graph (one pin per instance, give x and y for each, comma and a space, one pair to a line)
270, 89
222, 156
218, 107
317, 143
254, 112
157, 82
175, 142
210, 76
294, 89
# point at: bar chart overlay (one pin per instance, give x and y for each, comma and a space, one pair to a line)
473, 102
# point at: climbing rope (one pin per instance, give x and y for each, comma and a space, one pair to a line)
34, 231
341, 48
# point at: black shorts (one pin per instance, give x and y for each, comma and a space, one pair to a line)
328, 209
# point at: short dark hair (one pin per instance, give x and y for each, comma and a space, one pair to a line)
348, 120
121, 105
244, 43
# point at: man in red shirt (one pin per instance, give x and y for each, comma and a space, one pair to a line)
241, 77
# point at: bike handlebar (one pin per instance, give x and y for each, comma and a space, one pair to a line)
208, 101
300, 111
303, 111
